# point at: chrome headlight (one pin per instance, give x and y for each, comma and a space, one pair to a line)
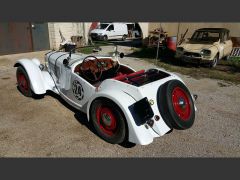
206, 52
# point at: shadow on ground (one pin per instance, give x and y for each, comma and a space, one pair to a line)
82, 118
127, 43
167, 56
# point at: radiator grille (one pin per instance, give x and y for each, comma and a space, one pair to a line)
235, 52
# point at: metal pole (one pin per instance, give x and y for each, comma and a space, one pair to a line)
84, 34
158, 43
178, 33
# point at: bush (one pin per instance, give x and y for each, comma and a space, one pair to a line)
233, 61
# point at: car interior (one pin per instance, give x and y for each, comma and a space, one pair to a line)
95, 70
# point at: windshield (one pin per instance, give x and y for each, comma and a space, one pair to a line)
102, 26
205, 36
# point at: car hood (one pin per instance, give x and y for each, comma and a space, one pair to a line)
196, 47
97, 31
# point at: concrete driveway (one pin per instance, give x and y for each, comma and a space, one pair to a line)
48, 127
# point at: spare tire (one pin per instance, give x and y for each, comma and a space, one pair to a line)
176, 105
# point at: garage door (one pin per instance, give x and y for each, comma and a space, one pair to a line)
15, 38
40, 36
23, 37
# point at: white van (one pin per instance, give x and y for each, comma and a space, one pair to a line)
106, 31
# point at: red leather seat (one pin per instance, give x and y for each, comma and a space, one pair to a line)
123, 77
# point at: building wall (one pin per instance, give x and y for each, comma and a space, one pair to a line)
74, 29
234, 29
67, 29
172, 28
145, 28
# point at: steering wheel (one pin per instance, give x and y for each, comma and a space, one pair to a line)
91, 64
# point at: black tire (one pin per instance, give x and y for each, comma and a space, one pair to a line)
118, 134
105, 38
167, 106
124, 37
214, 61
181, 62
226, 58
23, 82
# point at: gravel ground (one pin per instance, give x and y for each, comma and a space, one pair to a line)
49, 128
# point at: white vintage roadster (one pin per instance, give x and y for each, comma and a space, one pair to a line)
122, 104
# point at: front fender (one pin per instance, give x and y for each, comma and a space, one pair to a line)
216, 50
136, 134
34, 74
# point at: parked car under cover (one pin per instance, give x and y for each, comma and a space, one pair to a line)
122, 104
207, 45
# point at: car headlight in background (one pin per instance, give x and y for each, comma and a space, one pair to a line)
206, 52
180, 49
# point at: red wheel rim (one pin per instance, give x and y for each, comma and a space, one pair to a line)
181, 103
23, 83
106, 120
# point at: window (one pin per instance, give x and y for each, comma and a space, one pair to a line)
102, 26
225, 36
205, 36
110, 28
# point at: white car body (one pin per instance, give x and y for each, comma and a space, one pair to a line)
118, 32
61, 81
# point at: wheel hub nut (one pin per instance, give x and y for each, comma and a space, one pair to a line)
106, 119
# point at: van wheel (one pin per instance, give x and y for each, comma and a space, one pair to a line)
124, 37
108, 121
23, 82
105, 38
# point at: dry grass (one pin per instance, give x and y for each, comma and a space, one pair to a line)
225, 70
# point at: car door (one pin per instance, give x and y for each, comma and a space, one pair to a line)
75, 89
227, 44
111, 32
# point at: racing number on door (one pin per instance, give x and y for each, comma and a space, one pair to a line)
77, 90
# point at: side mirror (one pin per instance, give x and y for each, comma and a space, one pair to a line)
65, 62
121, 55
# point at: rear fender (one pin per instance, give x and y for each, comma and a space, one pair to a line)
136, 134
35, 75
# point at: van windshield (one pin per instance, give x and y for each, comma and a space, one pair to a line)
102, 26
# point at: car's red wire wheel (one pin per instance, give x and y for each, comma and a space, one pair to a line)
22, 83
181, 103
107, 120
